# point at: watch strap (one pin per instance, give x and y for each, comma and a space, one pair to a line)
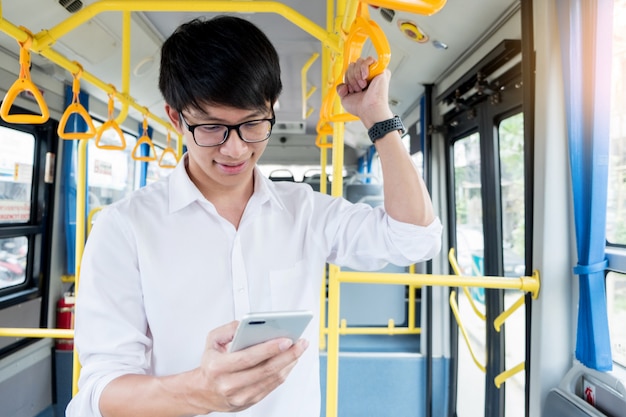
380, 129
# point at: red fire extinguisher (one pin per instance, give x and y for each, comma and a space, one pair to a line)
65, 319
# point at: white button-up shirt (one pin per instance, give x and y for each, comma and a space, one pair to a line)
162, 268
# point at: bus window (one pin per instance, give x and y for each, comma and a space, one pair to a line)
469, 209
616, 309
13, 255
511, 140
16, 175
17, 151
111, 174
616, 199
616, 192
156, 172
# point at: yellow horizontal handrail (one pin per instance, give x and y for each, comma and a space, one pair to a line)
36, 332
528, 284
455, 310
389, 330
498, 380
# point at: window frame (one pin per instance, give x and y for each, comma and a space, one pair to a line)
38, 229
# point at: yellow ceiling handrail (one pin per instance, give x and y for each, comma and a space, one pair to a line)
76, 108
24, 84
111, 124
45, 38
145, 138
167, 151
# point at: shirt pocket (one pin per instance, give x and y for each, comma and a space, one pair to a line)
290, 289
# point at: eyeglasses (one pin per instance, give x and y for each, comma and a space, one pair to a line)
252, 131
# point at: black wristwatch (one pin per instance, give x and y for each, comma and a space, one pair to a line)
380, 129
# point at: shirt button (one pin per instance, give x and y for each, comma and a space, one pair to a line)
240, 289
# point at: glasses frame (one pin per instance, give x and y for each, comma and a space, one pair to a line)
229, 128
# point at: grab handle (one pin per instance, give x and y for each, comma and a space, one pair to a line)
145, 138
163, 163
24, 84
76, 108
111, 124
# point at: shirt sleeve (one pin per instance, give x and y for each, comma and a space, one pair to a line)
366, 238
110, 323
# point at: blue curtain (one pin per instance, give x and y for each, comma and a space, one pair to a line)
144, 150
75, 123
585, 28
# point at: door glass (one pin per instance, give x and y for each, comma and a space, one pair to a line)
469, 252
511, 141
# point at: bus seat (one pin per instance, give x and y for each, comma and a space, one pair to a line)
357, 191
561, 404
315, 181
373, 304
282, 174
580, 388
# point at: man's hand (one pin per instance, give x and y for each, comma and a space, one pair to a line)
368, 100
234, 381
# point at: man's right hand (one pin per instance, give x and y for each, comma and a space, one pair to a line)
233, 381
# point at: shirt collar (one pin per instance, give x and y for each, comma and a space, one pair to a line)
265, 190
182, 191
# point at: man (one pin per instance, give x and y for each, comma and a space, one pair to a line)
167, 272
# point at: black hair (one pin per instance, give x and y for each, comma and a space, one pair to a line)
225, 60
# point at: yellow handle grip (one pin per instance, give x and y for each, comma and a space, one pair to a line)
151, 153
78, 109
111, 124
360, 31
163, 163
24, 84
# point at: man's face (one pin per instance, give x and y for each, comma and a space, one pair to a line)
226, 166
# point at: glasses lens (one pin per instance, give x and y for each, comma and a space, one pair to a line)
209, 135
255, 131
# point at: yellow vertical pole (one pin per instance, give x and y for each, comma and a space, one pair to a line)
81, 210
126, 20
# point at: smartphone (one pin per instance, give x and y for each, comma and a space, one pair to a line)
256, 328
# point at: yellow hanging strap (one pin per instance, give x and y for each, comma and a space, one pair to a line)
24, 84
111, 124
170, 154
76, 108
362, 29
145, 138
